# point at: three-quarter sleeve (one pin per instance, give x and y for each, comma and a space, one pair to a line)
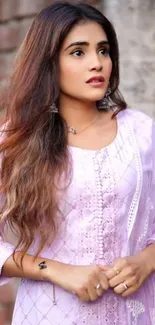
6, 250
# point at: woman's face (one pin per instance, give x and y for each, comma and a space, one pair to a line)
84, 55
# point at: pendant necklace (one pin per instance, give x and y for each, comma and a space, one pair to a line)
71, 129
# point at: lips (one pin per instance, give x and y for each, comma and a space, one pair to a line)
96, 79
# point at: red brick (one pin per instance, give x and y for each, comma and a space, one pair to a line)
9, 35
29, 7
8, 9
20, 8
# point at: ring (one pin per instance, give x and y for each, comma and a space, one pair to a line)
98, 286
115, 269
125, 286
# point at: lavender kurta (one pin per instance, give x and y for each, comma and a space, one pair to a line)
108, 212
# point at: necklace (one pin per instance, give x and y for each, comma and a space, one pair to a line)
73, 130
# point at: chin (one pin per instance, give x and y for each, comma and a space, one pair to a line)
96, 98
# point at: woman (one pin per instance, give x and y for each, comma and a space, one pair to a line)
77, 179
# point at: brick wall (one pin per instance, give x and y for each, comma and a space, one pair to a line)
15, 19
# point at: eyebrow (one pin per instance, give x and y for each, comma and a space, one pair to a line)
82, 43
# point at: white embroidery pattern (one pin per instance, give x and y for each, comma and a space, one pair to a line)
141, 240
136, 308
135, 201
152, 316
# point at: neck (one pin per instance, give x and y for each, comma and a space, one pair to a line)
77, 114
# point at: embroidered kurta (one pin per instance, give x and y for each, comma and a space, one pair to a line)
107, 212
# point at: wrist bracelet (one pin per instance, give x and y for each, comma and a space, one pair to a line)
42, 266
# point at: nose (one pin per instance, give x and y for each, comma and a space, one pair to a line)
95, 63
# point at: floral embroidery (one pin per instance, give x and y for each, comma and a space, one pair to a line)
136, 308
141, 240
152, 316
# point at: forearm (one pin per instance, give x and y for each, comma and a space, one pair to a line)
148, 254
30, 268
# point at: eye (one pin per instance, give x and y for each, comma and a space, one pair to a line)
104, 51
77, 53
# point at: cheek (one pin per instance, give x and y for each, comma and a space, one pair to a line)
69, 76
108, 69
69, 70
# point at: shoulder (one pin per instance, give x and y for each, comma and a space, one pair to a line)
137, 118
143, 128
142, 124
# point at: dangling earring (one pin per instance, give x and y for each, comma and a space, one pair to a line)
106, 103
53, 108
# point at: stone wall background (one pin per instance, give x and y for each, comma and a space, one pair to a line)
134, 21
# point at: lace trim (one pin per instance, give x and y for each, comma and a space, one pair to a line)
141, 242
135, 201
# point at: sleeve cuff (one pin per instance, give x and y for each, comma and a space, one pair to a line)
6, 250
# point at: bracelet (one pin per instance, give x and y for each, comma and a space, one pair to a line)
42, 266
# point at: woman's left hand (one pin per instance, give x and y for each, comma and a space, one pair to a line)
127, 274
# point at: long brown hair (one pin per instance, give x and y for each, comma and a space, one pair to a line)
34, 147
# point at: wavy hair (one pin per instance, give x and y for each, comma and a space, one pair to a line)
34, 145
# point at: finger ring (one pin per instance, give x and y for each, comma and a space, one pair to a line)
115, 269
125, 286
98, 286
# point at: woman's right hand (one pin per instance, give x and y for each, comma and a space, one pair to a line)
80, 280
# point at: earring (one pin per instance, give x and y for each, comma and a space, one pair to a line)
53, 108
106, 103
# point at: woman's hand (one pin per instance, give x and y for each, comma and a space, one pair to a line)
87, 282
128, 274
